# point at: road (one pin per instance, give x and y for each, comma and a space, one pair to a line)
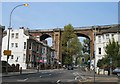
58, 77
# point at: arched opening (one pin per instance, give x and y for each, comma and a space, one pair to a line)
46, 38
85, 41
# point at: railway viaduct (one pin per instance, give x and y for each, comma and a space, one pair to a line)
56, 35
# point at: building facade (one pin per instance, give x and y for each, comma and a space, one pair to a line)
1, 35
27, 51
17, 45
102, 39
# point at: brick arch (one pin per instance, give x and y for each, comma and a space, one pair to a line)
91, 44
79, 34
88, 33
44, 36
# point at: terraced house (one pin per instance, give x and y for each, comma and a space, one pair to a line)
26, 50
103, 37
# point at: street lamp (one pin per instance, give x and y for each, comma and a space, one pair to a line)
12, 12
8, 52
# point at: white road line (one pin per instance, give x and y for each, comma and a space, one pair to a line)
22, 80
76, 77
58, 81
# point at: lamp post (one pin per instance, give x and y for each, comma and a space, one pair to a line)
8, 53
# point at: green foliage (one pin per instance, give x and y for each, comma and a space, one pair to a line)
86, 46
103, 63
86, 51
70, 44
112, 51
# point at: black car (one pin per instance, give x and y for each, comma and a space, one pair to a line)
116, 71
70, 67
4, 63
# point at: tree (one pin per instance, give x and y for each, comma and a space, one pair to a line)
86, 51
70, 44
86, 46
112, 54
113, 51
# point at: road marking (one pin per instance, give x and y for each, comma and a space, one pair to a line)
22, 80
58, 81
76, 77
76, 74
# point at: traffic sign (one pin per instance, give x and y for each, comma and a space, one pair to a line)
7, 52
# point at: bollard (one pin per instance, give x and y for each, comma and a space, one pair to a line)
37, 68
20, 70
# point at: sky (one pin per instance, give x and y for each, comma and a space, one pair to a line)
50, 15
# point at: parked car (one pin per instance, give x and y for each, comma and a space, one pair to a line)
116, 71
4, 63
70, 67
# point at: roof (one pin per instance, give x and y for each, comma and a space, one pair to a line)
113, 29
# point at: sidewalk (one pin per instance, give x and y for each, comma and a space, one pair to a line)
28, 71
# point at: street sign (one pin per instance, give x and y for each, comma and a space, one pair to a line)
7, 52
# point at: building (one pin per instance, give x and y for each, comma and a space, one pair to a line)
38, 54
102, 38
27, 51
1, 35
18, 45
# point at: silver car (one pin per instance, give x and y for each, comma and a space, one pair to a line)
116, 71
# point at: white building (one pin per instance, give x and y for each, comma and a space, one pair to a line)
18, 45
102, 38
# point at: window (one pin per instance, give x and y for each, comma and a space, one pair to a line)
112, 35
43, 50
30, 45
99, 39
12, 45
16, 45
107, 36
12, 36
24, 58
99, 50
29, 58
16, 59
24, 45
16, 35
37, 48
11, 56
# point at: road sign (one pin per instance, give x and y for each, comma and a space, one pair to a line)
7, 52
